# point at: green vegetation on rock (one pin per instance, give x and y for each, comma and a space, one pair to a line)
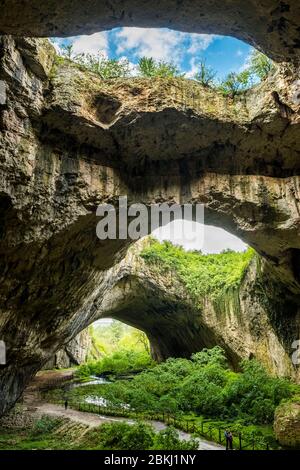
210, 275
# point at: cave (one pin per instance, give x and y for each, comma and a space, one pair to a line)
67, 145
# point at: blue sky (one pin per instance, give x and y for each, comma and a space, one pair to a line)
224, 54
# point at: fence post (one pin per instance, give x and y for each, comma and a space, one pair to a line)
240, 441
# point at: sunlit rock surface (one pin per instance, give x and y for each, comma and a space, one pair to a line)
70, 141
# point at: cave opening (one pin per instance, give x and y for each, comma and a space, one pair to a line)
151, 313
222, 63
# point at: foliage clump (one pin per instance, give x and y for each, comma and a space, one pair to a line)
258, 69
137, 436
150, 68
118, 363
203, 275
205, 386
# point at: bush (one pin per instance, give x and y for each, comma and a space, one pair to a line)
168, 439
45, 425
261, 65
257, 393
121, 362
235, 83
123, 436
101, 65
206, 75
138, 436
149, 68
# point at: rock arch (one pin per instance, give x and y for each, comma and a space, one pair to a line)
272, 26
59, 160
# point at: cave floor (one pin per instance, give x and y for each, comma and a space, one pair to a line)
34, 404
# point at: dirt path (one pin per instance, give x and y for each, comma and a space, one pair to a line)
93, 420
34, 403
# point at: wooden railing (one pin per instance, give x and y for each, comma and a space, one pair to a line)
203, 428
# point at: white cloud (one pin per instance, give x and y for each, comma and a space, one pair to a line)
199, 42
91, 44
246, 62
208, 239
161, 44
194, 63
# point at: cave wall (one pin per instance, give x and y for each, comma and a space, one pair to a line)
249, 321
269, 25
60, 157
76, 352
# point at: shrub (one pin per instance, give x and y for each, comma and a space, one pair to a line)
45, 425
235, 83
121, 362
206, 75
123, 436
138, 436
261, 65
149, 68
168, 439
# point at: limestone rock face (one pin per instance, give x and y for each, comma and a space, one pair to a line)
287, 424
244, 322
76, 352
269, 25
69, 141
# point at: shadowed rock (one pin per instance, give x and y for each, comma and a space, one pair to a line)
271, 26
70, 141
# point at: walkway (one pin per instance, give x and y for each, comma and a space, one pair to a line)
93, 420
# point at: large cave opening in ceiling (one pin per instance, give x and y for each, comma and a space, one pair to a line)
200, 237
120, 52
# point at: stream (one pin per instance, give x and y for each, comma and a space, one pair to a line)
101, 401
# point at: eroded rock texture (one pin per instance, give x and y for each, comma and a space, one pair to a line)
76, 352
70, 141
271, 25
287, 424
246, 322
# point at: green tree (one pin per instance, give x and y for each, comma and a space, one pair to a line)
235, 83
206, 75
117, 329
261, 65
104, 67
68, 51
